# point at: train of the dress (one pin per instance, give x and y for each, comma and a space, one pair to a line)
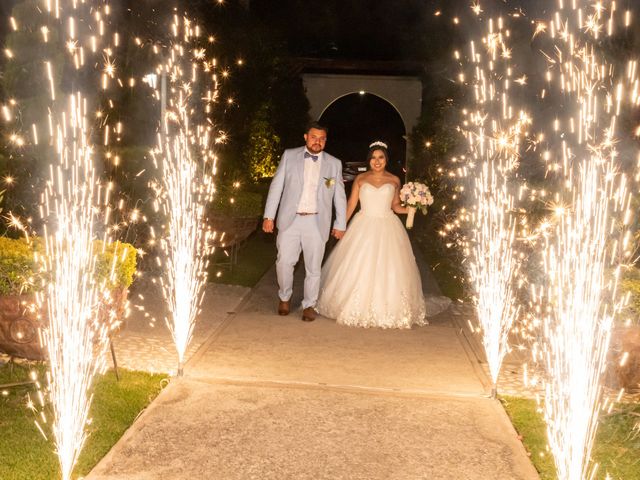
436, 304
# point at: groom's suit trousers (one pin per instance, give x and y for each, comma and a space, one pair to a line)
302, 235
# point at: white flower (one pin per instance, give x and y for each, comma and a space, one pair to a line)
415, 194
329, 181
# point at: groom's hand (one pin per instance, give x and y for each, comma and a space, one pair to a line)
337, 233
267, 225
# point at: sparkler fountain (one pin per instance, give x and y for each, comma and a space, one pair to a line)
494, 130
188, 165
75, 337
587, 242
74, 208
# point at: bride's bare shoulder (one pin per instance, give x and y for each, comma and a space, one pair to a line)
395, 180
361, 177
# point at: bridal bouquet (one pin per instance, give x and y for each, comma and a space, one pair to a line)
415, 195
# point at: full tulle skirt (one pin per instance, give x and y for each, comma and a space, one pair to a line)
371, 278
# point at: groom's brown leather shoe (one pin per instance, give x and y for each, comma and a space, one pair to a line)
284, 307
309, 314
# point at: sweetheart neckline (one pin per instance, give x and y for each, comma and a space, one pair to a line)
378, 188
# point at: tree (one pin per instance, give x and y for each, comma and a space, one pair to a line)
264, 145
266, 89
24, 83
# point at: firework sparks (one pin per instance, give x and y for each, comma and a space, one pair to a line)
74, 337
188, 164
494, 130
586, 240
494, 265
74, 334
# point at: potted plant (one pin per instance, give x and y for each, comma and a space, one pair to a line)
625, 339
20, 319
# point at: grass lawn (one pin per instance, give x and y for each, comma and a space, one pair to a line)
26, 455
616, 449
255, 256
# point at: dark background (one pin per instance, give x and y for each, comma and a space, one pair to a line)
270, 35
277, 41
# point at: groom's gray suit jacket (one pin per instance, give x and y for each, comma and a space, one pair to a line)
286, 189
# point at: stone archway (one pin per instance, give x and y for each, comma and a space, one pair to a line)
403, 92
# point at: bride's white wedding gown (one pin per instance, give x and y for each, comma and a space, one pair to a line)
371, 278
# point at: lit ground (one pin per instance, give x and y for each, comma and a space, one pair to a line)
273, 397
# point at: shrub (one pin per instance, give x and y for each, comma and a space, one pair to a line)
125, 264
18, 269
236, 203
17, 266
262, 153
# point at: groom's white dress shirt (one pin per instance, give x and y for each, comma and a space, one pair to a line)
309, 198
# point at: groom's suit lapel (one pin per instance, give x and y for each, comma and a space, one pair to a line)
299, 167
325, 169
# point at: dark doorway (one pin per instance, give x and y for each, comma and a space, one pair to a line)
356, 120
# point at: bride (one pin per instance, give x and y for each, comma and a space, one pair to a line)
371, 278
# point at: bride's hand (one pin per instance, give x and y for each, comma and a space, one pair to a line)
337, 233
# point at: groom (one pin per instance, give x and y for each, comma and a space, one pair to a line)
308, 181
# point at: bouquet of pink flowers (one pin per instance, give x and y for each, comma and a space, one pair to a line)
415, 195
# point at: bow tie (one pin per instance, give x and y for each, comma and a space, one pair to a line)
312, 157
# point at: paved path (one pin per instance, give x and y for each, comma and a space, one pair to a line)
271, 397
145, 342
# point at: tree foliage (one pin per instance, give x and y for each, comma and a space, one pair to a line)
264, 146
435, 140
24, 84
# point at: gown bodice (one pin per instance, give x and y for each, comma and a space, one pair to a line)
376, 201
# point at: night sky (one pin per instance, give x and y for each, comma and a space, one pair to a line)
362, 29
380, 30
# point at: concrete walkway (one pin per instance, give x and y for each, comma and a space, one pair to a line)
269, 397
145, 342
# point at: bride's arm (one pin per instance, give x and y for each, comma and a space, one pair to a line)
396, 206
353, 198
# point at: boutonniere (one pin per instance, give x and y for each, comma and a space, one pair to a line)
329, 181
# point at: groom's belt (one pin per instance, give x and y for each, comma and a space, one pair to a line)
306, 213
